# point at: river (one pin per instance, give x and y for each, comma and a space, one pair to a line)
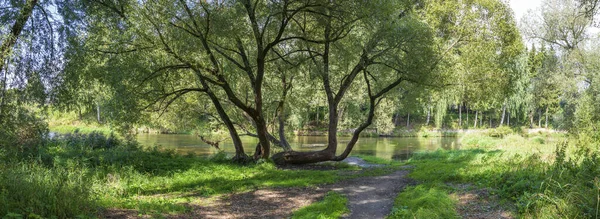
388, 148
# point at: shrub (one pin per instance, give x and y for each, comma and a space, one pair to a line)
22, 133
499, 132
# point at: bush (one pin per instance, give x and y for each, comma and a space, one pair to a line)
499, 132
93, 140
22, 133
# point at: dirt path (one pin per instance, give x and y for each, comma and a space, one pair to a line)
368, 197
373, 197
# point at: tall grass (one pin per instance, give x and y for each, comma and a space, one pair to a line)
81, 174
523, 172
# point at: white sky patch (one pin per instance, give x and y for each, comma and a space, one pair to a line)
521, 7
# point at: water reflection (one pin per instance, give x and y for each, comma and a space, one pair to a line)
388, 148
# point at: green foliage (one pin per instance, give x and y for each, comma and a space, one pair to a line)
23, 132
332, 206
423, 202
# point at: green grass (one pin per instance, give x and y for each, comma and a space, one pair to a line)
97, 172
541, 180
332, 206
63, 129
423, 201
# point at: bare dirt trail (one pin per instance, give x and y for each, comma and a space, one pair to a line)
373, 197
368, 197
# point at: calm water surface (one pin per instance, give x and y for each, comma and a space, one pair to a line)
388, 148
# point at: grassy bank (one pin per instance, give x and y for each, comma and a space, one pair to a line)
537, 178
97, 172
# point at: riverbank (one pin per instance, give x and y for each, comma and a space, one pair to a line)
510, 176
98, 173
398, 132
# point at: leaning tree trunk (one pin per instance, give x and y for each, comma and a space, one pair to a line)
503, 113
240, 155
15, 31
408, 120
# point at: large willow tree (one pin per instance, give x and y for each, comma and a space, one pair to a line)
241, 53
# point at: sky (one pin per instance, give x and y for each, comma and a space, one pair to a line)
520, 7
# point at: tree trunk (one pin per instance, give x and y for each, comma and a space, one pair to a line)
15, 32
508, 119
546, 125
297, 157
503, 113
531, 113
467, 108
481, 120
475, 123
317, 116
263, 139
428, 115
98, 112
460, 115
408, 120
539, 118
240, 155
395, 119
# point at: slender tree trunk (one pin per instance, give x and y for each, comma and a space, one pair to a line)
546, 125
490, 121
508, 119
503, 113
287, 86
428, 115
475, 124
395, 119
408, 120
540, 118
467, 108
98, 112
460, 115
3, 95
481, 120
318, 116
240, 155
